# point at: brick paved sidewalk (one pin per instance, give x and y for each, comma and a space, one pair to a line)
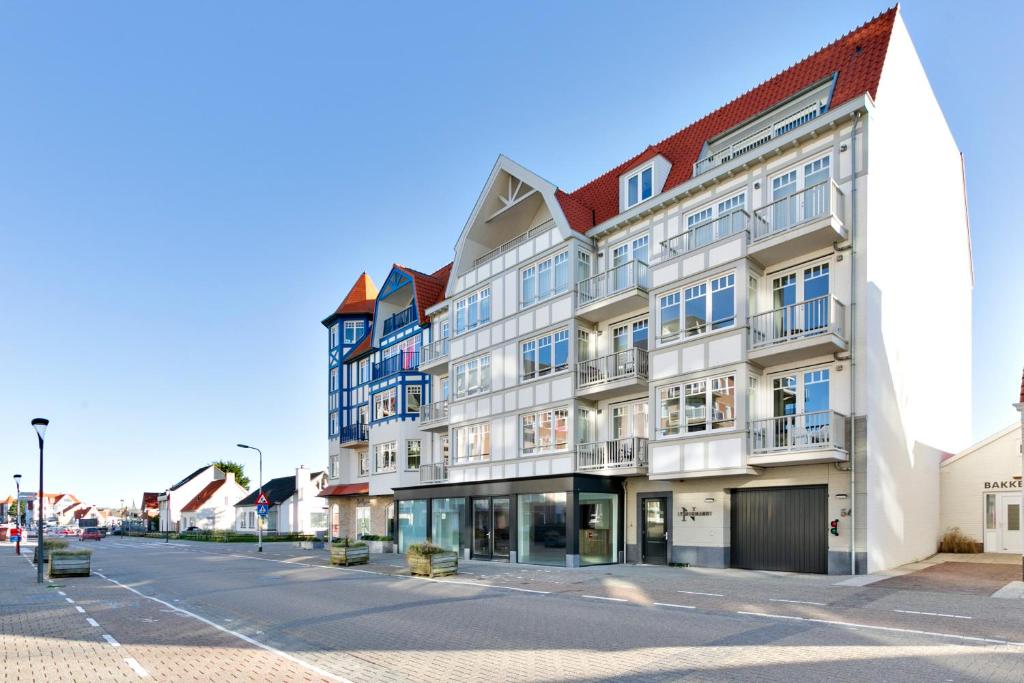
88, 629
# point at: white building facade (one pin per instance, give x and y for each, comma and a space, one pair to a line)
721, 352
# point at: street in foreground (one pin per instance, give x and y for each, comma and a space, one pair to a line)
200, 611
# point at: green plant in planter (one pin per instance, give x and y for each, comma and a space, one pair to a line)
345, 552
70, 562
424, 549
346, 543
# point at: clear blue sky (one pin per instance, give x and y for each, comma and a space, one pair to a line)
187, 189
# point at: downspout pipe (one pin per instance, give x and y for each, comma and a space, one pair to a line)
853, 345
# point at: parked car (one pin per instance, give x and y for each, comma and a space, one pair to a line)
193, 528
91, 534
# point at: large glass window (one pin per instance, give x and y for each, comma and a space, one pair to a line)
473, 376
542, 528
473, 310
700, 312
710, 404
385, 404
353, 330
544, 279
598, 528
362, 520
447, 515
545, 355
412, 523
473, 443
412, 454
545, 430
413, 398
386, 455
334, 335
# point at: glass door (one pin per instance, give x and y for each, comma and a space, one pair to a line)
655, 531
501, 510
491, 528
482, 529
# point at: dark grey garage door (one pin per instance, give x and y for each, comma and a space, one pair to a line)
780, 529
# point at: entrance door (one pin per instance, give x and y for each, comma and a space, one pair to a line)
780, 529
491, 539
655, 531
1009, 514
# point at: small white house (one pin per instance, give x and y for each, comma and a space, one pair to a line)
173, 501
214, 506
981, 492
294, 505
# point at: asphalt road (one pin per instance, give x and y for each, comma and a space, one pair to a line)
510, 623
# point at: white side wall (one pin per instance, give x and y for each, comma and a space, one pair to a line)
915, 309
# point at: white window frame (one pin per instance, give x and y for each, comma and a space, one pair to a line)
364, 370
334, 423
334, 335
475, 440
552, 340
637, 174
702, 288
480, 301
680, 390
408, 453
356, 328
413, 389
550, 264
386, 453
364, 463
480, 366
379, 403
334, 379
537, 418
334, 465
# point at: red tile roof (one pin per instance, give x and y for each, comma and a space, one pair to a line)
360, 299
361, 349
429, 289
344, 490
857, 59
203, 496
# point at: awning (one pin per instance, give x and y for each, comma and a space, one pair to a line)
345, 490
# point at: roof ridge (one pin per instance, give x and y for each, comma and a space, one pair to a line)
719, 109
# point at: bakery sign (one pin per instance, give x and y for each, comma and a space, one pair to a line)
693, 513
1014, 483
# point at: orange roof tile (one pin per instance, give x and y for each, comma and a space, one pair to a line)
856, 58
203, 496
360, 300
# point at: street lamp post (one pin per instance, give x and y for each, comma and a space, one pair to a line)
17, 509
123, 511
259, 524
40, 424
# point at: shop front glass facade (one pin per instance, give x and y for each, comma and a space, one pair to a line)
412, 523
542, 532
448, 514
598, 528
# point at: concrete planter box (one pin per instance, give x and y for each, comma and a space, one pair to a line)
62, 564
342, 556
438, 564
381, 546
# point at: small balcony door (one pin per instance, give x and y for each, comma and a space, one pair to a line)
364, 414
804, 194
800, 406
635, 250
629, 420
800, 300
629, 335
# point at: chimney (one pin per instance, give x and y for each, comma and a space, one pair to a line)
229, 477
301, 481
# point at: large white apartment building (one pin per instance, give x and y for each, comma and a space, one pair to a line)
725, 351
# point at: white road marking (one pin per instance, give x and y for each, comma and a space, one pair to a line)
79, 608
601, 597
61, 593
890, 629
252, 641
92, 622
70, 600
797, 602
931, 614
136, 667
110, 639
669, 604
714, 595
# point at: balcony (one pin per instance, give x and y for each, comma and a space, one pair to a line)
620, 373
357, 434
403, 362
434, 357
799, 331
399, 320
805, 221
433, 472
798, 439
503, 249
619, 456
434, 416
618, 290
703, 234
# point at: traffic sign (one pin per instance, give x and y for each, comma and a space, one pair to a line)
261, 510
262, 499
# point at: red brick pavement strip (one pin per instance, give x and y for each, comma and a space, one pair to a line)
972, 578
44, 636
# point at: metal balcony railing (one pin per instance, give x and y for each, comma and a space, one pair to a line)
629, 275
816, 201
610, 455
706, 233
628, 364
399, 320
434, 412
773, 129
354, 432
434, 351
435, 471
822, 429
806, 319
406, 361
514, 242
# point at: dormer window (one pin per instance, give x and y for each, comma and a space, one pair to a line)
639, 186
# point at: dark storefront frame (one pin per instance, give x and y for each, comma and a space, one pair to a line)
570, 484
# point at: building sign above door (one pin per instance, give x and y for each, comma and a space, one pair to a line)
1014, 483
692, 513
